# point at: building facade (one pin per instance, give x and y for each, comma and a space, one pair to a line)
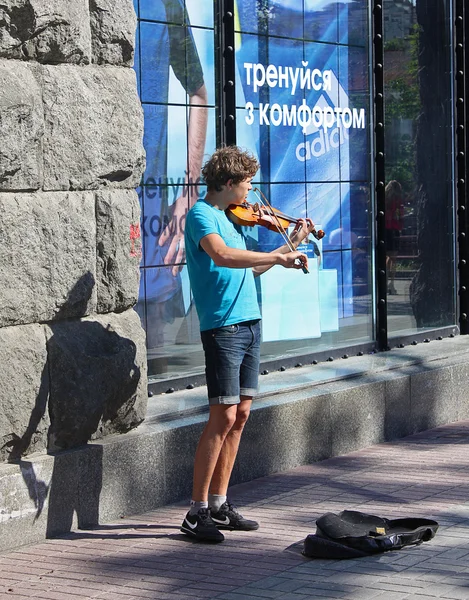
351, 109
357, 112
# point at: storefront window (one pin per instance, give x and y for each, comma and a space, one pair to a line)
303, 107
175, 69
419, 190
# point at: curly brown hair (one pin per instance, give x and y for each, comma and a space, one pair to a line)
229, 162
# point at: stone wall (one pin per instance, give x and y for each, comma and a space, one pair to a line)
383, 397
71, 347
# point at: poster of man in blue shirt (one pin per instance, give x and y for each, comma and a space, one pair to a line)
174, 95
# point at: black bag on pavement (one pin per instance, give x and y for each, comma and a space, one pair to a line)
352, 534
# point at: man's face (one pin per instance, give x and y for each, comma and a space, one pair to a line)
239, 191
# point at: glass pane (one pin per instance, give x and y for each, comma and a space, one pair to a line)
201, 139
161, 10
353, 22
164, 213
419, 195
165, 141
173, 337
249, 48
324, 137
321, 20
170, 64
254, 16
204, 42
175, 68
154, 49
283, 18
200, 13
354, 132
304, 111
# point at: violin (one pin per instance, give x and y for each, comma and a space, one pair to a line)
249, 215
265, 215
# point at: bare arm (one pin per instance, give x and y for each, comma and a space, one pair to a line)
197, 133
235, 258
173, 235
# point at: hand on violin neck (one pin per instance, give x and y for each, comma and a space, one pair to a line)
301, 231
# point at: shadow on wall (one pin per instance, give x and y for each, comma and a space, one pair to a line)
89, 386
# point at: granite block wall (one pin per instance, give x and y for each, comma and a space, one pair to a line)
71, 346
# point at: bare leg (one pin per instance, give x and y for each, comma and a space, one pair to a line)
221, 420
229, 450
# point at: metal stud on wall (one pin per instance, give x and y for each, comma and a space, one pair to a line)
378, 61
461, 58
226, 62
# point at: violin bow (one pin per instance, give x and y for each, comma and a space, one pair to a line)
280, 228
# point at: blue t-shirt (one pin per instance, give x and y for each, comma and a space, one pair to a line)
222, 295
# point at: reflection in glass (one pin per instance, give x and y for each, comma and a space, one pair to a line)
418, 103
324, 208
176, 87
200, 13
353, 22
165, 141
171, 11
319, 169
204, 42
255, 16
250, 48
288, 198
171, 323
162, 227
321, 150
354, 94
321, 20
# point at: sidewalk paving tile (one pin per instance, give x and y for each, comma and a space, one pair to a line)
145, 556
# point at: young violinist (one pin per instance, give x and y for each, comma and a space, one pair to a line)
221, 272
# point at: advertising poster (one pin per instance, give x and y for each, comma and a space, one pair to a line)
175, 71
302, 98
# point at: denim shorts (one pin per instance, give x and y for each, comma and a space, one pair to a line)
232, 356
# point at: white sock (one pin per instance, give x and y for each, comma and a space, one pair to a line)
196, 506
215, 501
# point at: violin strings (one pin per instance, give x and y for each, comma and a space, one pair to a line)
272, 213
317, 234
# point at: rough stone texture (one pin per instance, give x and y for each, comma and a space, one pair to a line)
296, 433
128, 466
24, 489
74, 488
433, 398
119, 249
93, 128
24, 385
21, 127
47, 256
357, 417
98, 382
460, 377
152, 465
49, 31
180, 443
113, 26
397, 420
68, 127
